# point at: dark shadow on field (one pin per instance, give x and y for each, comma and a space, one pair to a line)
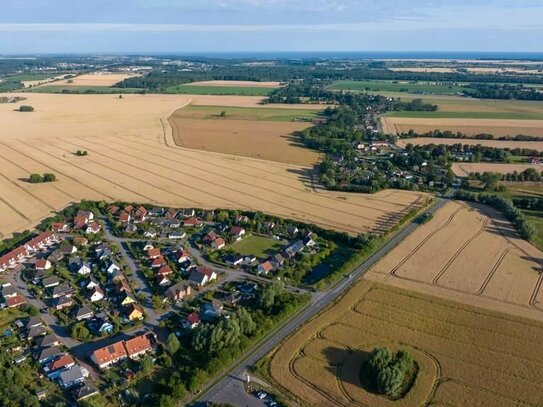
305, 175
337, 357
295, 141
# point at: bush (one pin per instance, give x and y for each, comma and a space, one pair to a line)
388, 371
26, 108
38, 178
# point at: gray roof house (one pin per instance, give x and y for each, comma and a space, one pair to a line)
72, 377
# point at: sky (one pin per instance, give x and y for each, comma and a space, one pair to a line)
200, 26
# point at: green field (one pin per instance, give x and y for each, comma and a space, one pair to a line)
536, 219
219, 90
396, 86
80, 89
247, 113
258, 246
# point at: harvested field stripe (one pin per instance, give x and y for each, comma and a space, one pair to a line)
275, 192
129, 175
182, 151
14, 209
55, 169
460, 250
491, 274
238, 204
251, 195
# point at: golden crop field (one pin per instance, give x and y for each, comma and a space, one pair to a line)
468, 253
502, 127
95, 79
463, 169
247, 84
420, 141
132, 157
466, 356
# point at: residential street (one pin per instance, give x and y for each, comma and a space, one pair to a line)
230, 388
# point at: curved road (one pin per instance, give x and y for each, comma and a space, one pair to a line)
230, 388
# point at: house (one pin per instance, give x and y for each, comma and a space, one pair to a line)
171, 213
86, 215
113, 209
236, 232
124, 217
163, 280
84, 391
277, 260
91, 283
202, 275
181, 256
84, 313
9, 291
48, 354
67, 248
12, 258
153, 253
49, 282
249, 260
165, 271
42, 241
192, 222
241, 219
95, 294
177, 235
35, 331
80, 241
191, 321
93, 228
76, 265
134, 312
73, 376
60, 227
158, 262
15, 301
63, 302
112, 268
148, 246
187, 213
108, 355
47, 341
60, 290
156, 211
308, 240
104, 254
131, 228
56, 256
210, 237
213, 309
122, 286
264, 268
52, 369
172, 223
218, 243
38, 276
140, 215
138, 346
150, 233
233, 298
127, 299
233, 260
100, 326
33, 322
42, 264
178, 291
292, 230
294, 249
129, 208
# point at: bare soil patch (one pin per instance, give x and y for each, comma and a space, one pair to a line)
467, 355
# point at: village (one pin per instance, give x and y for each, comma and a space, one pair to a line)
104, 290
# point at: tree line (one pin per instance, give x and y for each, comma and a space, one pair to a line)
496, 91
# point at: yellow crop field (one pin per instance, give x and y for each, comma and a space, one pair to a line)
466, 356
132, 156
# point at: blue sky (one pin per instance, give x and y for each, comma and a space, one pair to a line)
199, 26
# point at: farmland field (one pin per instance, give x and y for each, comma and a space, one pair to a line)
463, 169
469, 254
467, 356
397, 86
97, 79
242, 88
132, 157
398, 125
418, 141
264, 133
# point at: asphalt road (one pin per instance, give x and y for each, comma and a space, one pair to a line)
230, 389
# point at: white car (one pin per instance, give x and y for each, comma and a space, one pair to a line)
261, 395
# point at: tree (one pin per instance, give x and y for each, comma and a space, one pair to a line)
490, 180
223, 113
35, 178
80, 332
48, 177
245, 321
31, 310
26, 108
388, 370
173, 344
146, 365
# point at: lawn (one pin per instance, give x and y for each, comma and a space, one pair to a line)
258, 246
9, 315
397, 86
536, 219
247, 113
220, 90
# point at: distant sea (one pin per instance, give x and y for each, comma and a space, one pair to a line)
537, 56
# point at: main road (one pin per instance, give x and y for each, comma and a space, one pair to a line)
230, 388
